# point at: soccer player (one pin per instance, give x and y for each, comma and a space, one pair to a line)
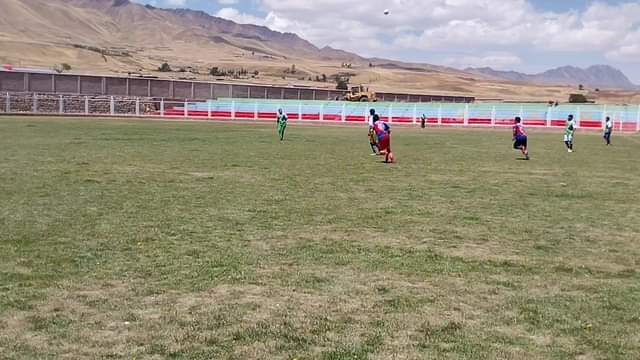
569, 131
282, 123
520, 137
373, 141
383, 133
423, 121
608, 129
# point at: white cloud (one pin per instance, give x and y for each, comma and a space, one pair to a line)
236, 16
175, 3
628, 51
227, 2
477, 32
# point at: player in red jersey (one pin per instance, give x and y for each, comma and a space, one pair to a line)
383, 133
520, 137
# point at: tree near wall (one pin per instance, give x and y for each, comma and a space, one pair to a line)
342, 83
164, 68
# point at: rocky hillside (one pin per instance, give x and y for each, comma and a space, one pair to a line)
602, 76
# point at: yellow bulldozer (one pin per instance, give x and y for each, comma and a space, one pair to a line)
360, 93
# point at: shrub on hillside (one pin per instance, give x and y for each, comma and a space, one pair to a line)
164, 68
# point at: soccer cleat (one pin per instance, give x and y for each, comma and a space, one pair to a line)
570, 150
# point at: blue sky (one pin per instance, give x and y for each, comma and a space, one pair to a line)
522, 35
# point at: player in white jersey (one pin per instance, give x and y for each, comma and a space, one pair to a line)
569, 131
373, 140
608, 129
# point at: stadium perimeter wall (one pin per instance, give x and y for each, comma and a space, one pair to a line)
91, 85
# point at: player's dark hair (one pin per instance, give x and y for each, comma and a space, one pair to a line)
372, 111
570, 116
518, 119
376, 117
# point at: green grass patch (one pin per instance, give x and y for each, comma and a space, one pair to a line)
141, 239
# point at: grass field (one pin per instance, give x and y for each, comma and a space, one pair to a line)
160, 240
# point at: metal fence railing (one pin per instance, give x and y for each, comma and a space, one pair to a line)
625, 118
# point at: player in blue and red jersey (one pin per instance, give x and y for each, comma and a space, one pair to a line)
520, 137
383, 133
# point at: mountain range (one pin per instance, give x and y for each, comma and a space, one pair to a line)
121, 23
604, 76
120, 37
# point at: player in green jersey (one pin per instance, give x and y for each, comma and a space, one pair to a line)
282, 123
569, 131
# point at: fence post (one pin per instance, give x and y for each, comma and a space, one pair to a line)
137, 106
522, 113
186, 109
209, 109
61, 105
604, 116
300, 112
578, 116
112, 107
255, 111
322, 112
86, 105
466, 114
621, 121
493, 116
415, 113
440, 115
7, 104
549, 114
35, 103
391, 113
343, 118
233, 110
162, 107
637, 119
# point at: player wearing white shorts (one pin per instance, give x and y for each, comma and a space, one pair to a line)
569, 131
